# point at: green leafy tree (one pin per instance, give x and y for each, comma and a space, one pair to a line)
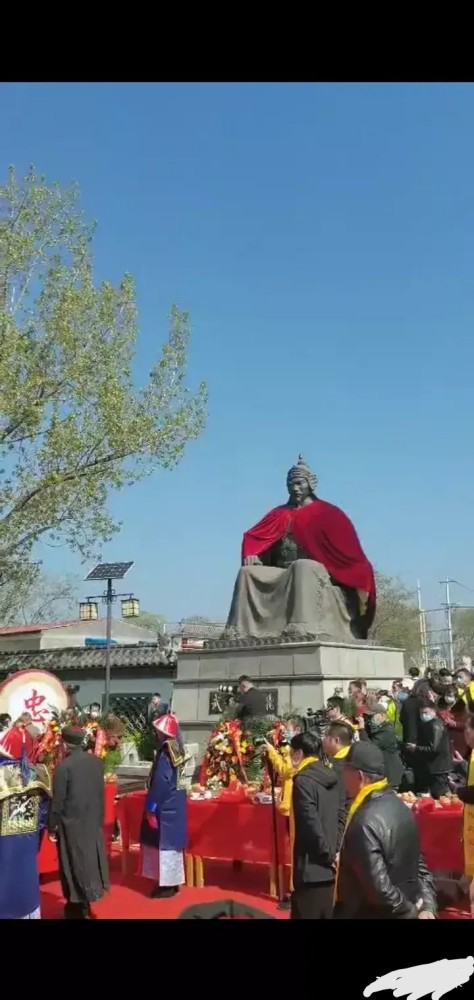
73, 425
396, 620
147, 619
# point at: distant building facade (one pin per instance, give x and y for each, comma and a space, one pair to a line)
70, 634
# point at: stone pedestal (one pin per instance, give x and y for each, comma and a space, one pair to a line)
133, 768
297, 676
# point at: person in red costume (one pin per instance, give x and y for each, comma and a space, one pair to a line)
17, 738
304, 573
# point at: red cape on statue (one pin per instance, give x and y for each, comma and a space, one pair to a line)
328, 537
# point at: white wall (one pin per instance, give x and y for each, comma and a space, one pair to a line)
18, 643
75, 635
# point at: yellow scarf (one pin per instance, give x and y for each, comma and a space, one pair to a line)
342, 753
468, 825
304, 763
366, 790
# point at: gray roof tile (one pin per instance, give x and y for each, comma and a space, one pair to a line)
81, 658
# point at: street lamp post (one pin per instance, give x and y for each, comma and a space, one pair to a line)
88, 610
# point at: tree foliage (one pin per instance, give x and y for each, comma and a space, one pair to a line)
396, 620
463, 632
39, 597
73, 426
195, 620
147, 619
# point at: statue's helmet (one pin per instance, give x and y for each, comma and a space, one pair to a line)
302, 471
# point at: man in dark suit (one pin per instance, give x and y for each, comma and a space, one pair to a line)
156, 708
76, 821
251, 702
314, 829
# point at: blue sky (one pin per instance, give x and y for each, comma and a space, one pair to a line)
322, 238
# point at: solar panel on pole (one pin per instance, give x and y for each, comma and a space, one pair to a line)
109, 571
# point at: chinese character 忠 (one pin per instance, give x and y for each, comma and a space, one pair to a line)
32, 705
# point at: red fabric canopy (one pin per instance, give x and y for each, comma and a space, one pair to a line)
327, 535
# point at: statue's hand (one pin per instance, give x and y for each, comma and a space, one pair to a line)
252, 561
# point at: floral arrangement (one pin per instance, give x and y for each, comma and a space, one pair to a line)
227, 755
232, 755
102, 737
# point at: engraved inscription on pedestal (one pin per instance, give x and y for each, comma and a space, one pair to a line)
218, 702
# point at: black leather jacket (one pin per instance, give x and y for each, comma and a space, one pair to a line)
382, 874
433, 751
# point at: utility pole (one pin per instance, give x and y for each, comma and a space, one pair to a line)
423, 637
109, 599
449, 622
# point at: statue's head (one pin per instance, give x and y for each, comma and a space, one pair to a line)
301, 484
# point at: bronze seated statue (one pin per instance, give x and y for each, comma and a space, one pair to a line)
304, 575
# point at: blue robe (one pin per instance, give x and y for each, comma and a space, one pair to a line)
163, 847
23, 816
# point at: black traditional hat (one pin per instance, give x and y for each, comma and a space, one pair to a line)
73, 736
366, 757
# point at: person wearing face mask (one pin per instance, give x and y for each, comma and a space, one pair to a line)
452, 713
465, 688
280, 761
432, 758
382, 734
313, 830
410, 710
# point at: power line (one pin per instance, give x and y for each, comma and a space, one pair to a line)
448, 606
463, 585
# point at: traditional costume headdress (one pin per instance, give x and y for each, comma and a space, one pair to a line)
167, 725
302, 471
73, 736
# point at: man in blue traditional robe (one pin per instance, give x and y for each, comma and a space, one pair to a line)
24, 803
163, 836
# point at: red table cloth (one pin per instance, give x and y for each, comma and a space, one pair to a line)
242, 831
225, 831
48, 858
441, 838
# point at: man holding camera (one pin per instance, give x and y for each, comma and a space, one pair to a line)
252, 702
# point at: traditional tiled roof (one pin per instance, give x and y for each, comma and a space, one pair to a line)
37, 627
84, 658
197, 630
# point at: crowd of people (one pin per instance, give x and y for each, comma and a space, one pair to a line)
67, 805
354, 844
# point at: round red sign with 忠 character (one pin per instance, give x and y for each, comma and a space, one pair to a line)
33, 691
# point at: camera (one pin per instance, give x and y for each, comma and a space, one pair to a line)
229, 689
316, 721
229, 695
